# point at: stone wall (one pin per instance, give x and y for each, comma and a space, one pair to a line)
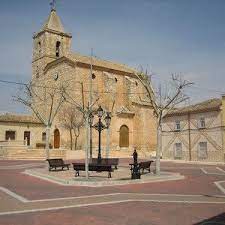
35, 132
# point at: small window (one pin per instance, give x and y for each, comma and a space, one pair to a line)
136, 83
44, 136
116, 79
10, 135
93, 76
202, 150
39, 48
202, 122
178, 151
57, 52
177, 126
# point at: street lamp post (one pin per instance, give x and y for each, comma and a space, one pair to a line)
99, 126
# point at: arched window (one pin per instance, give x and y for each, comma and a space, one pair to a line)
57, 50
124, 136
56, 138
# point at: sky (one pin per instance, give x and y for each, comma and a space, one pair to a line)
162, 36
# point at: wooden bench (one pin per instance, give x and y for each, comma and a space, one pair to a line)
57, 163
107, 161
92, 167
145, 165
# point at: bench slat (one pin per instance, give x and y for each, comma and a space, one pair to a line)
145, 165
93, 167
56, 163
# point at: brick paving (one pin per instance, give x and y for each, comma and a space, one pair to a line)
17, 162
139, 213
33, 188
132, 213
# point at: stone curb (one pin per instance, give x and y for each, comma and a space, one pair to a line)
168, 176
192, 162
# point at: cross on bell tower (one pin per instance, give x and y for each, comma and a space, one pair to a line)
53, 4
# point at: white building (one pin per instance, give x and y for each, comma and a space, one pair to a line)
195, 132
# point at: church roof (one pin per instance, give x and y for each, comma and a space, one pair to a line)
100, 63
53, 22
19, 118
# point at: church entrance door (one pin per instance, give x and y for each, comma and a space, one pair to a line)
124, 136
56, 138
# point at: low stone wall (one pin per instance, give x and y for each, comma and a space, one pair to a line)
212, 156
39, 154
75, 154
30, 154
80, 154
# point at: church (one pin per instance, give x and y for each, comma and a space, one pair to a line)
114, 87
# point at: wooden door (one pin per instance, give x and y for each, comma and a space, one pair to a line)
27, 137
124, 136
56, 138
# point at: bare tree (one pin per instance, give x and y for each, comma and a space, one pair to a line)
67, 115
72, 120
86, 111
78, 123
163, 101
45, 102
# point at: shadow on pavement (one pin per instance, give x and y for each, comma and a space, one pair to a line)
216, 220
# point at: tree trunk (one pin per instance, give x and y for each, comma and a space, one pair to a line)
158, 150
75, 145
91, 143
71, 140
47, 141
87, 147
76, 134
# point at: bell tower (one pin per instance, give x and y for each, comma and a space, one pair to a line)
49, 44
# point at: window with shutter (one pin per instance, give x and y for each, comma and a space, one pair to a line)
178, 151
202, 150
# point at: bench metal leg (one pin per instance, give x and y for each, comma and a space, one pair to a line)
109, 175
77, 174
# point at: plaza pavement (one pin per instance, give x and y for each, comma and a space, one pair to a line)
197, 199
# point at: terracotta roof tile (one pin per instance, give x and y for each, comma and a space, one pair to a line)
100, 62
211, 104
8, 117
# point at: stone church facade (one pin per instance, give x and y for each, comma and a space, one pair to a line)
115, 87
